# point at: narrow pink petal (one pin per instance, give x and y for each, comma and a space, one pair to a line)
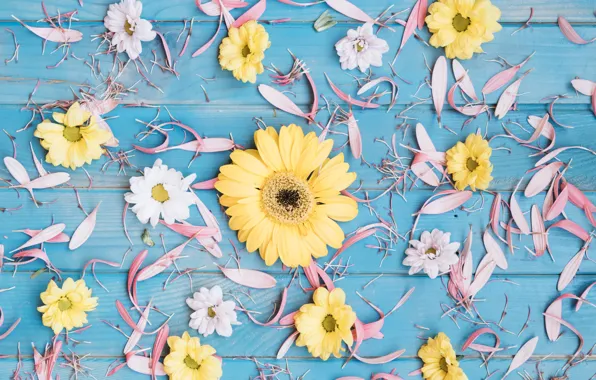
571, 269
254, 13
572, 228
422, 11
570, 33
158, 346
208, 44
162, 263
522, 356
541, 179
584, 296
54, 34
281, 101
249, 277
45, 235
494, 250
84, 230
538, 232
572, 328
47, 181
205, 185
507, 99
502, 78
425, 173
17, 170
439, 85
354, 137
477, 334
283, 350
447, 203
345, 97
583, 86
137, 332
558, 151
350, 10
38, 164
465, 83
558, 205
495, 211
141, 364
482, 276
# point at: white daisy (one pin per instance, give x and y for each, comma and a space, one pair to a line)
161, 192
432, 253
212, 313
361, 48
124, 20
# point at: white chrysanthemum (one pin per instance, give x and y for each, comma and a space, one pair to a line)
432, 253
124, 20
161, 192
212, 313
361, 48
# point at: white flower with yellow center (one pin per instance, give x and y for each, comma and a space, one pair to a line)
433, 253
361, 48
212, 313
161, 192
124, 20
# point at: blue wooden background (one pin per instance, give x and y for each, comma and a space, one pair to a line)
230, 111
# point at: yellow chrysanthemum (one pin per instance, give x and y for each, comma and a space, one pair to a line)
242, 51
469, 163
325, 324
188, 359
440, 361
461, 26
284, 197
66, 307
75, 140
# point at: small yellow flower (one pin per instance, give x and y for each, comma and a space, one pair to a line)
325, 324
461, 26
66, 307
242, 51
469, 163
75, 138
284, 198
188, 359
440, 361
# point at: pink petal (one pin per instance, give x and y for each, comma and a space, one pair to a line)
286, 344
439, 85
42, 237
354, 136
465, 83
84, 230
538, 232
541, 179
502, 78
254, 13
207, 44
494, 250
249, 277
54, 34
17, 170
573, 228
447, 203
571, 269
141, 364
584, 86
350, 10
524, 353
570, 33
346, 98
559, 204
281, 101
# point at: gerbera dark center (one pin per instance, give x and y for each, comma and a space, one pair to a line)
471, 164
461, 23
128, 28
443, 364
245, 51
64, 304
329, 323
211, 312
72, 134
191, 363
287, 198
159, 193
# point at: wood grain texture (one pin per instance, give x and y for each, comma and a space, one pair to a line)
548, 78
510, 159
518, 11
399, 330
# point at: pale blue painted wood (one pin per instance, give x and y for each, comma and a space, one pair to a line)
548, 78
518, 11
220, 121
423, 308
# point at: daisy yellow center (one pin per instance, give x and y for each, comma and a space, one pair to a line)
443, 364
461, 23
471, 164
432, 252
159, 193
329, 323
360, 46
245, 51
211, 312
191, 363
128, 28
287, 198
72, 134
64, 304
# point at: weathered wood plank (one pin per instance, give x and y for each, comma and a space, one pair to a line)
234, 369
423, 308
576, 10
216, 121
109, 243
548, 78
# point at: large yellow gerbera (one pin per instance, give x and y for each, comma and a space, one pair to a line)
440, 361
461, 26
188, 359
75, 140
469, 163
324, 325
66, 308
242, 51
283, 197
